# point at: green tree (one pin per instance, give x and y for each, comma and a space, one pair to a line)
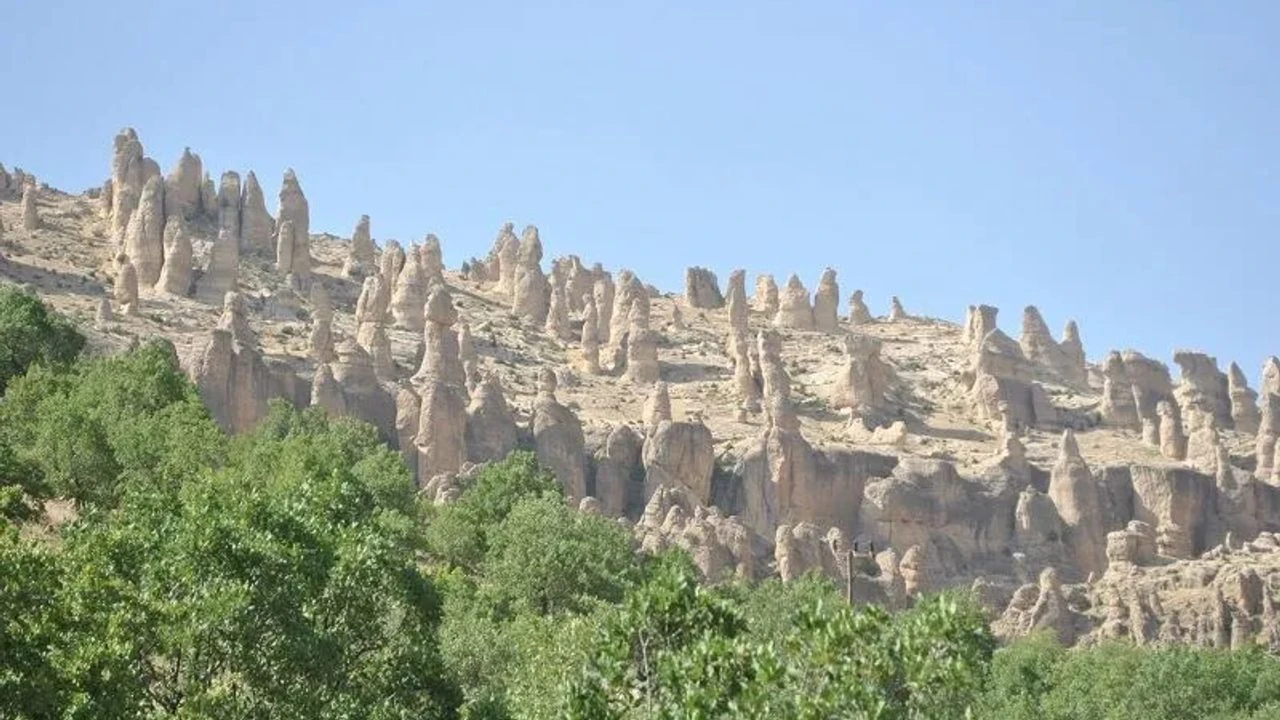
281, 585
89, 431
30, 334
546, 558
30, 684
458, 532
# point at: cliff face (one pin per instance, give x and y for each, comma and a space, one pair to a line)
768, 436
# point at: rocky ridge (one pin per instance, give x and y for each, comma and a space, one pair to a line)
772, 435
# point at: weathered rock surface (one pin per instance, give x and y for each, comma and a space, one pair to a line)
701, 289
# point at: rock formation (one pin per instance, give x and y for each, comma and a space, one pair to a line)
144, 237
361, 255
410, 293
431, 258
530, 292
793, 306
619, 473
441, 359
181, 195
223, 272
1038, 345
1203, 393
1244, 402
1003, 390
590, 338
1075, 494
864, 381
491, 429
766, 297
175, 275
859, 313
257, 229
557, 322
826, 303
896, 313
558, 439
701, 289
227, 205
293, 237
506, 254
126, 287
603, 292
1076, 369
642, 347
30, 213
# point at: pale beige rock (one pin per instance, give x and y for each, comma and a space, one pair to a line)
371, 306
1173, 444
736, 300
864, 381
1268, 433
507, 254
1270, 377
222, 274
529, 298
431, 258
1075, 494
128, 175
257, 228
1150, 382
467, 355
175, 275
235, 320
410, 294
181, 193
914, 570
603, 293
209, 198
294, 209
320, 339
766, 297
1244, 402
379, 349
642, 348
144, 237
285, 233
617, 465
896, 312
678, 454
1119, 408
579, 284
657, 407
491, 429
226, 206
408, 414
589, 338
1076, 369
442, 427
441, 359
361, 254
557, 321
1203, 393
793, 306
558, 439
126, 286
744, 381
826, 303
30, 213
630, 292
701, 289
859, 313
1040, 348
326, 393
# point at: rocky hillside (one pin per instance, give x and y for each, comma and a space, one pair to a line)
770, 433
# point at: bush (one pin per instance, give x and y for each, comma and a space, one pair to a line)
32, 335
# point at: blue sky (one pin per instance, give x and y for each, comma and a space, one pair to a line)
1114, 162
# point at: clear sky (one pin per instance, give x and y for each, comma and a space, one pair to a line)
1115, 162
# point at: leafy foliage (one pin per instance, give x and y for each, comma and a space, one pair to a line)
32, 335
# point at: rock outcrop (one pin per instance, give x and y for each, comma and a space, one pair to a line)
826, 303
558, 439
859, 313
144, 236
793, 306
175, 275
491, 429
126, 285
1245, 417
293, 236
701, 289
257, 228
864, 381
361, 255
530, 293
766, 297
1075, 494
182, 188
410, 294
